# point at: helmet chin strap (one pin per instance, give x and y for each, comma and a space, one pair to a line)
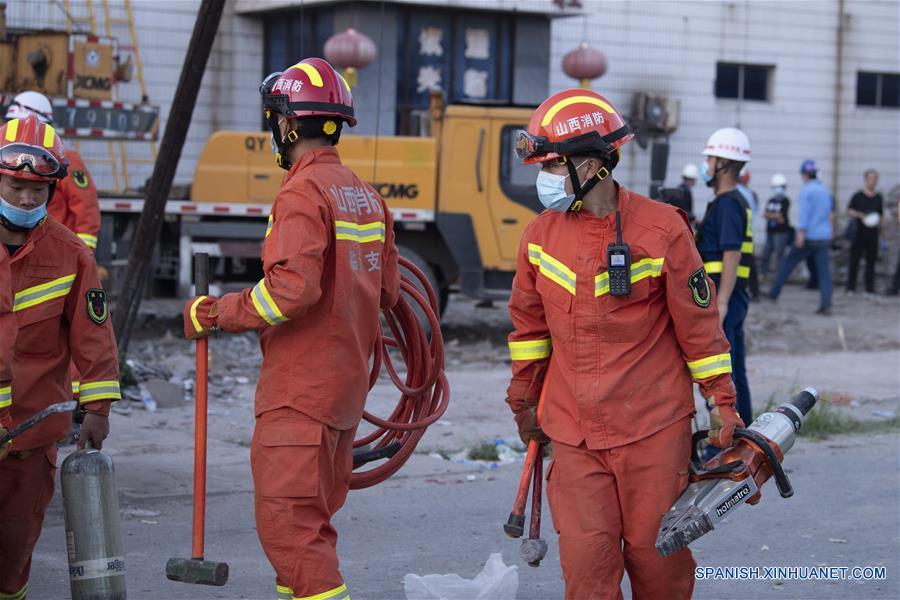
581, 190
283, 144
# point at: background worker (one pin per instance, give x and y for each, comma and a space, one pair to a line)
618, 365
778, 227
743, 186
866, 208
330, 265
813, 237
74, 204
725, 242
689, 175
62, 315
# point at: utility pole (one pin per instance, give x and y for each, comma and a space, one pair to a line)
150, 223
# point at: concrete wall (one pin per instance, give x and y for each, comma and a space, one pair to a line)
671, 48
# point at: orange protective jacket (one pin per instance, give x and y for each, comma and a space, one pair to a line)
330, 264
7, 337
74, 204
622, 366
62, 315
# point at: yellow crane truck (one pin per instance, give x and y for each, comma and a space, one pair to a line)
460, 199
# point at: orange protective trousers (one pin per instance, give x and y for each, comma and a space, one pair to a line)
26, 488
301, 475
607, 506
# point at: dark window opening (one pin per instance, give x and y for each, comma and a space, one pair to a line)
739, 81
878, 89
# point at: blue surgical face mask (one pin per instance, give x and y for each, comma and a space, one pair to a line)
26, 219
551, 190
778, 190
704, 173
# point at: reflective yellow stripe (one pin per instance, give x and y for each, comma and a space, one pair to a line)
49, 136
574, 100
43, 292
283, 592
334, 593
20, 595
551, 268
530, 350
747, 248
715, 266
12, 131
642, 269
89, 240
5, 396
194, 320
99, 390
314, 77
269, 225
265, 305
710, 366
76, 387
361, 234
749, 232
743, 271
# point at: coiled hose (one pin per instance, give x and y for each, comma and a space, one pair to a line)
424, 391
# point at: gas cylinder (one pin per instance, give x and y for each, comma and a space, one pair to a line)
93, 537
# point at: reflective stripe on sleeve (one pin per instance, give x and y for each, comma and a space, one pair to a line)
89, 240
20, 595
552, 268
714, 267
76, 387
747, 248
269, 225
42, 293
5, 396
530, 350
710, 366
359, 233
338, 593
265, 305
642, 269
283, 592
99, 390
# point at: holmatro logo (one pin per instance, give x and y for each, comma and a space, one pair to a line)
739, 495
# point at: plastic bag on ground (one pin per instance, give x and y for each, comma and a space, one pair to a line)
495, 582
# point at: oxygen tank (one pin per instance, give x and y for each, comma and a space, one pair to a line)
93, 537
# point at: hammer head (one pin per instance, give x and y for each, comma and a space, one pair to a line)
197, 570
515, 525
533, 551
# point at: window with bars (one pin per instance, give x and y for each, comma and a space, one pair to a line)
743, 81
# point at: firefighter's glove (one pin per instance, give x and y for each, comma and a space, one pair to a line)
200, 317
723, 419
529, 428
5, 448
94, 429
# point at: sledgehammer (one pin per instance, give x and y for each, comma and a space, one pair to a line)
196, 569
534, 549
515, 524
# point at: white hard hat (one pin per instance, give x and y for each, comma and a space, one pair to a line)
778, 180
690, 171
872, 219
28, 103
728, 143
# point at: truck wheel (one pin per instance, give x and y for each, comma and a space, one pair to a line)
423, 266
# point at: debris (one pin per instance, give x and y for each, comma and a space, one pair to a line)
139, 512
242, 380
837, 540
495, 582
147, 399
165, 394
764, 548
885, 414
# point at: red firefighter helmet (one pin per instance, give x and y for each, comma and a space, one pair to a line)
572, 122
310, 88
30, 149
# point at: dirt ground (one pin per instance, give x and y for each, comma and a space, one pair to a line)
853, 355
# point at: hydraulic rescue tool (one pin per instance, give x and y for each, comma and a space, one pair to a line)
36, 418
196, 569
93, 534
533, 548
734, 476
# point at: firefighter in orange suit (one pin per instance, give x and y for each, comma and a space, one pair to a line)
8, 331
61, 313
611, 306
330, 265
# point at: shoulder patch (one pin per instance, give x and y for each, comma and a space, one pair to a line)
80, 178
699, 285
97, 308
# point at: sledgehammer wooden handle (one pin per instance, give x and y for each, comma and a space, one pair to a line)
515, 524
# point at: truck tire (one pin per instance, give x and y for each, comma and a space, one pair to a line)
423, 266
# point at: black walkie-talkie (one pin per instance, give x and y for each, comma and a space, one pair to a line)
618, 261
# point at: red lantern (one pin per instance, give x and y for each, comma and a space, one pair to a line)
350, 50
584, 63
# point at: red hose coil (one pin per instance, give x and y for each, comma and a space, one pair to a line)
424, 391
